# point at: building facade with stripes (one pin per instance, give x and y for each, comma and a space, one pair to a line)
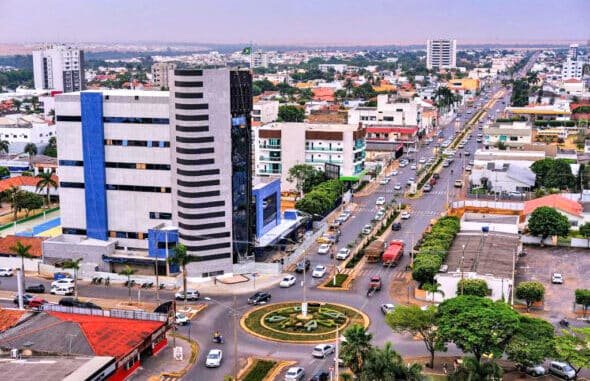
131, 161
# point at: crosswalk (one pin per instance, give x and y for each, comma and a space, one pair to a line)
384, 272
168, 378
424, 212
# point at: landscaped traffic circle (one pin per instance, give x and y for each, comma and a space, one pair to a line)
286, 322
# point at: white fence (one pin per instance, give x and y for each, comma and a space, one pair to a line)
488, 204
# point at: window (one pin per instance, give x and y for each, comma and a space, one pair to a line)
120, 119
199, 194
209, 247
188, 84
195, 162
193, 151
206, 172
192, 117
213, 273
65, 184
160, 216
206, 139
137, 143
185, 106
192, 128
388, 118
71, 163
68, 118
201, 216
213, 225
197, 183
137, 188
74, 231
188, 95
200, 205
205, 236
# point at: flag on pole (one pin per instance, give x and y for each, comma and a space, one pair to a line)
247, 50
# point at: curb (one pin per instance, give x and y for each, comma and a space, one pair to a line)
194, 354
272, 375
366, 323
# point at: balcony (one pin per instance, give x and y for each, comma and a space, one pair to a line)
268, 171
269, 146
321, 161
359, 147
322, 149
269, 158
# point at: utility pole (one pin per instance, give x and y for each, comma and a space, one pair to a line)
513, 271
303, 283
461, 267
235, 316
337, 355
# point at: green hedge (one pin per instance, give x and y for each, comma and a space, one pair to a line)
433, 249
260, 370
554, 123
321, 199
340, 278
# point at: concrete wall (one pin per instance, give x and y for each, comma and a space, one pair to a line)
495, 228
54, 251
449, 285
15, 262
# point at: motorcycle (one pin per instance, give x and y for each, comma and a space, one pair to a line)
564, 323
218, 339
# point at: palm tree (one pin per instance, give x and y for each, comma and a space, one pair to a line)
356, 348
386, 364
433, 288
181, 258
23, 251
4, 146
74, 264
471, 369
14, 196
46, 182
31, 149
128, 271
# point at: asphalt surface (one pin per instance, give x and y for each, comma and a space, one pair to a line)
221, 312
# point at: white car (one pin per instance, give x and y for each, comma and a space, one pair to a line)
380, 201
214, 358
422, 160
343, 253
413, 167
322, 350
294, 373
367, 229
190, 295
6, 272
62, 290
468, 168
384, 181
403, 164
181, 319
65, 282
397, 186
319, 271
324, 248
557, 278
387, 308
394, 173
288, 281
405, 215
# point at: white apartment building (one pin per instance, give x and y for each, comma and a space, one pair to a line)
59, 67
390, 110
280, 146
441, 54
265, 111
338, 68
574, 64
130, 161
513, 134
19, 130
160, 74
260, 59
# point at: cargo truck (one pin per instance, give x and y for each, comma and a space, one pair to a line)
374, 251
393, 253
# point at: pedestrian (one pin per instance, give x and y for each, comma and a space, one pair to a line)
215, 280
107, 282
445, 368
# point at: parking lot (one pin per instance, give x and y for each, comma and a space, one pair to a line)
540, 263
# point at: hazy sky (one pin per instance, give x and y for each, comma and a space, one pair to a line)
311, 22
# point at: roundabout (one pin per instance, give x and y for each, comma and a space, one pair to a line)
285, 322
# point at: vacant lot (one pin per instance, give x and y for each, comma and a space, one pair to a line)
540, 263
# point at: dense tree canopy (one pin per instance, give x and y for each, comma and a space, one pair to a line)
288, 113
530, 291
306, 177
475, 287
546, 221
554, 173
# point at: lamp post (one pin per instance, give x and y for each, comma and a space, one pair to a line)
461, 267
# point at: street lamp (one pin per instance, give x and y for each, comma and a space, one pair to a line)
461, 267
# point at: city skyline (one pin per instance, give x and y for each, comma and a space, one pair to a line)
335, 23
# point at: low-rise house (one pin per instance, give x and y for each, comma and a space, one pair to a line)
513, 134
573, 210
505, 178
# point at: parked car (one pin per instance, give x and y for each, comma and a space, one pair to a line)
384, 181
378, 216
557, 278
36, 302
303, 266
63, 282
259, 298
190, 295
26, 299
62, 290
294, 373
181, 319
6, 272
562, 370
387, 308
405, 215
322, 350
396, 226
343, 253
427, 188
367, 229
320, 375
319, 271
324, 248
380, 201
536, 370
468, 168
436, 175
214, 358
288, 281
36, 288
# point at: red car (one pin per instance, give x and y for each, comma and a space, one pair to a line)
36, 302
375, 283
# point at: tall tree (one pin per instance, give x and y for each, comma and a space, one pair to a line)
31, 150
574, 348
582, 297
386, 364
14, 195
181, 258
305, 177
532, 343
476, 325
434, 288
22, 251
546, 221
531, 292
128, 271
74, 264
356, 348
46, 182
30, 201
417, 322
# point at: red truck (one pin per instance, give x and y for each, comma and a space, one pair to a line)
393, 253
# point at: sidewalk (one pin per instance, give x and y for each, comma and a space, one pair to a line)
236, 285
163, 365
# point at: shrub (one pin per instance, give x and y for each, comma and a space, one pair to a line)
530, 292
425, 267
322, 198
260, 370
475, 287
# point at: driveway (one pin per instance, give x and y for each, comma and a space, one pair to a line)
541, 262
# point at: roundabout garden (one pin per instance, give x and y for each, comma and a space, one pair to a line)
286, 322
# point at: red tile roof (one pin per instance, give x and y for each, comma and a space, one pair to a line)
323, 94
111, 336
9, 318
9, 241
572, 80
554, 201
21, 181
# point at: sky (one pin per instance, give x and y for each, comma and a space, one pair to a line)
295, 22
